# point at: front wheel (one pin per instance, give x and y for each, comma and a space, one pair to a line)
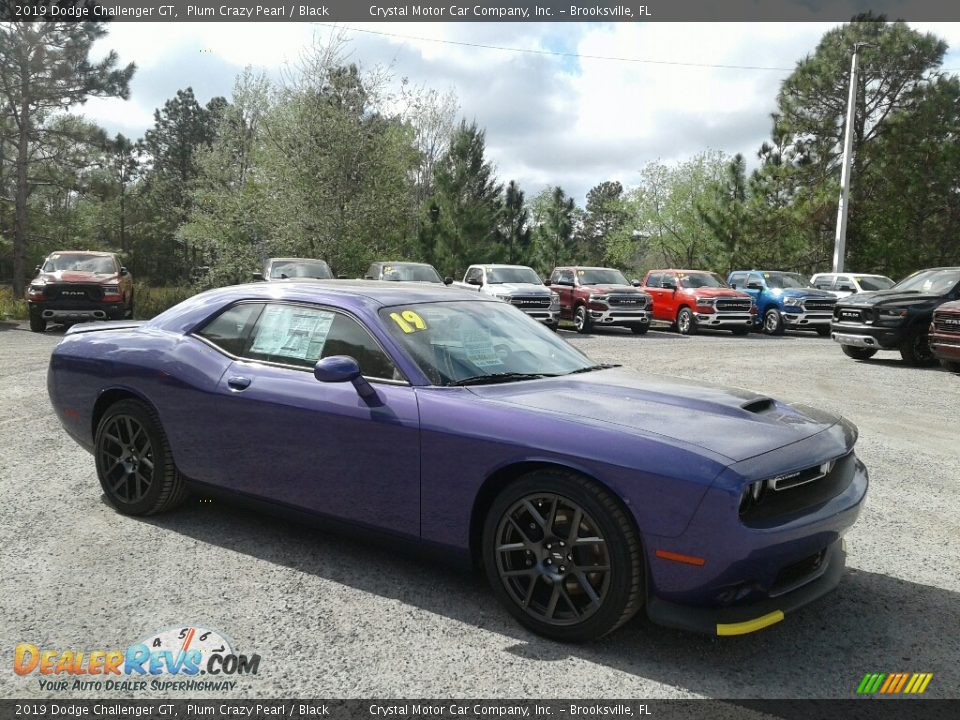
915, 349
858, 353
581, 320
37, 324
686, 323
951, 365
772, 322
134, 462
563, 556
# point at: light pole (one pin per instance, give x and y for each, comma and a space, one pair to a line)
840, 241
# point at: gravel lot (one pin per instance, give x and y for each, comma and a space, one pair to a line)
334, 618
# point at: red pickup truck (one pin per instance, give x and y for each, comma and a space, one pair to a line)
692, 299
600, 296
945, 335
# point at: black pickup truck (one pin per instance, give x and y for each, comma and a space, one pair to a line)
895, 319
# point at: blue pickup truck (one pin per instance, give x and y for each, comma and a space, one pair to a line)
785, 301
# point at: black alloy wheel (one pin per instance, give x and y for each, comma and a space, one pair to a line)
134, 463
858, 353
915, 349
581, 320
686, 322
563, 557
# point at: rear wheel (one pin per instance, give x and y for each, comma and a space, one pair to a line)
858, 353
581, 320
563, 556
686, 323
134, 462
915, 349
639, 329
37, 324
772, 322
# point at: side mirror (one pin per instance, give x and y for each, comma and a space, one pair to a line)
257, 275
847, 288
124, 271
343, 368
636, 283
37, 269
475, 281
754, 286
448, 280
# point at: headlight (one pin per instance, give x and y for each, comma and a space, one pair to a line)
599, 298
505, 298
751, 495
887, 314
554, 298
707, 301
111, 289
793, 301
35, 289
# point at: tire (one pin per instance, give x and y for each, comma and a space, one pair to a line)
951, 365
129, 312
740, 331
772, 322
37, 324
639, 329
686, 322
823, 331
557, 603
129, 437
858, 353
581, 320
915, 349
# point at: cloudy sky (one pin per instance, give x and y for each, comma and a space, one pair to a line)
562, 114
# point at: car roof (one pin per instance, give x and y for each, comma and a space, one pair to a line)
499, 265
294, 259
681, 270
400, 262
99, 253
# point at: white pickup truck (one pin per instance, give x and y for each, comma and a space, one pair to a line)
518, 285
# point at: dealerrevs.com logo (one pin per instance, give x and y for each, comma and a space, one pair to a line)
184, 653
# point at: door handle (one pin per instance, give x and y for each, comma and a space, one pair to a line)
238, 383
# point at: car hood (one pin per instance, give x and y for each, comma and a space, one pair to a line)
619, 289
525, 288
76, 276
729, 422
889, 297
718, 292
805, 292
950, 307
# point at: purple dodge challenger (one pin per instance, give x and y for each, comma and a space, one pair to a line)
586, 491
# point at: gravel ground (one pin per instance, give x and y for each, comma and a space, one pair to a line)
334, 618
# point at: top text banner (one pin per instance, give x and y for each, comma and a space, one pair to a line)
333, 11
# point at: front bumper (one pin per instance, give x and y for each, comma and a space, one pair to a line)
799, 318
726, 319
547, 317
78, 313
945, 346
877, 337
617, 316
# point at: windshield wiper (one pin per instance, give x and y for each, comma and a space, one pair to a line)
591, 368
501, 378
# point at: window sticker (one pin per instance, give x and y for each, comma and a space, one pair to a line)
478, 348
766, 275
580, 272
409, 321
292, 332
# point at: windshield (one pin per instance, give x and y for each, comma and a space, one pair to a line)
934, 282
411, 273
454, 342
701, 280
81, 262
877, 282
300, 269
512, 275
786, 280
601, 276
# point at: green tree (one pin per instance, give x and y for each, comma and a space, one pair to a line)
45, 68
516, 229
605, 216
554, 216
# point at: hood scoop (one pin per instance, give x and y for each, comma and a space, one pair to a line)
760, 405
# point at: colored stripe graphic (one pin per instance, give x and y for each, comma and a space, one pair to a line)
894, 683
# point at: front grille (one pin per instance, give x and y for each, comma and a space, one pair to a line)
846, 314
73, 292
794, 575
824, 304
798, 492
637, 301
946, 323
530, 302
733, 305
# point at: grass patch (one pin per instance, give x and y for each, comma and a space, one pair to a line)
150, 301
11, 306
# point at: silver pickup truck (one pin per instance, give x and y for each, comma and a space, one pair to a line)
518, 285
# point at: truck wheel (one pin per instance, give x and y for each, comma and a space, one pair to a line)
37, 324
581, 320
772, 322
823, 331
915, 349
639, 329
858, 353
951, 365
686, 323
563, 556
